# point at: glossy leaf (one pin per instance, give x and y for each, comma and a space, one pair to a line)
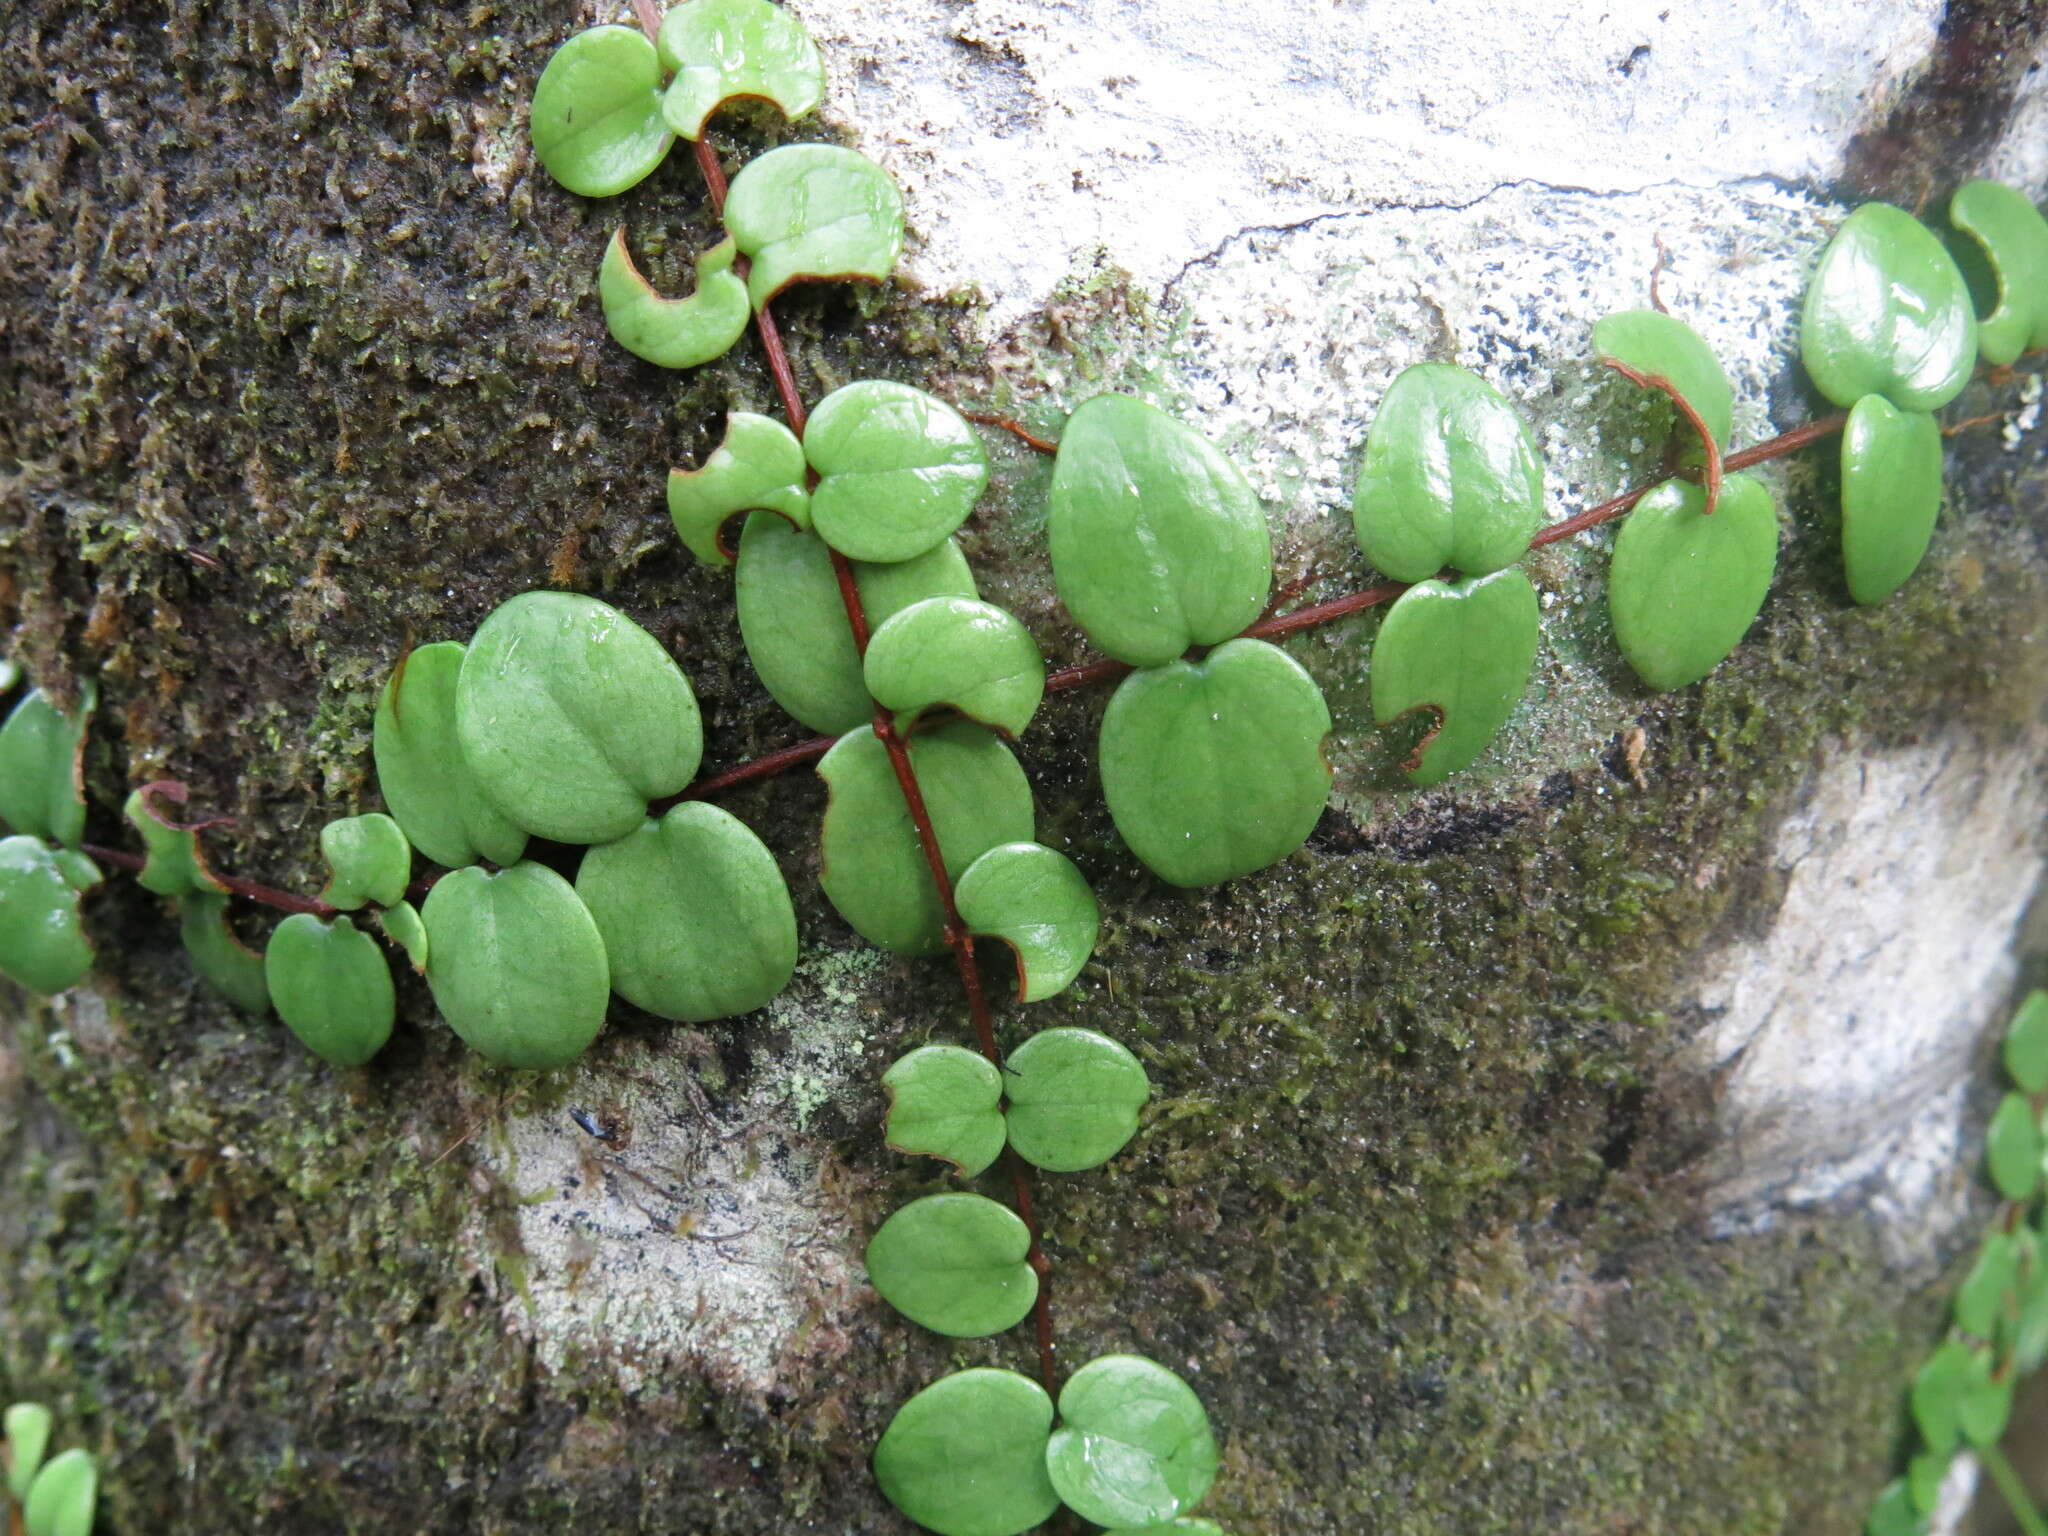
1984, 1404
1685, 587
1937, 1389
1157, 541
1451, 478
814, 212
966, 1456
695, 916
42, 944
946, 1102
176, 863
330, 983
1661, 352
1133, 1446
572, 717
403, 927
722, 50
1215, 768
1893, 1513
42, 767
516, 965
1039, 904
1990, 1287
63, 1497
1887, 313
1925, 1474
2026, 1043
218, 954
1891, 491
875, 872
2015, 240
368, 860
759, 465
961, 652
898, 470
1186, 1526
1461, 650
421, 772
597, 123
2012, 1148
1074, 1099
955, 1264
28, 1438
10, 674
673, 333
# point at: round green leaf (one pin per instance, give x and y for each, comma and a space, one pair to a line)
1893, 1514
1451, 478
572, 717
42, 767
1157, 541
1461, 650
402, 926
961, 652
1215, 768
1925, 1474
421, 772
218, 954
759, 465
2015, 241
1990, 1288
1664, 353
176, 863
28, 1438
955, 1264
1937, 1388
1984, 1404
1074, 1099
516, 965
2026, 1043
695, 916
722, 50
330, 983
1891, 491
1182, 1527
368, 860
673, 333
1133, 1446
898, 470
2012, 1147
1887, 313
1039, 904
946, 1102
814, 212
966, 1456
875, 870
62, 1499
1685, 587
597, 123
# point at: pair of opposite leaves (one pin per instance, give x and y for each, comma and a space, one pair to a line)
43, 945
57, 1496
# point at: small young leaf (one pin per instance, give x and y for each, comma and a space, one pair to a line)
1450, 478
759, 465
814, 212
961, 652
1925, 1474
516, 965
42, 767
1661, 352
42, 945
28, 1438
421, 771
1157, 541
176, 862
1891, 491
1937, 1388
898, 470
2012, 1148
597, 123
1133, 1446
673, 333
1039, 904
1186, 1526
2026, 1043
2015, 240
1074, 1099
1887, 313
955, 1264
1989, 1289
1893, 1514
966, 1456
1463, 651
218, 954
722, 50
402, 926
1984, 1404
368, 860
1215, 768
946, 1102
331, 985
695, 916
1685, 587
572, 717
62, 1499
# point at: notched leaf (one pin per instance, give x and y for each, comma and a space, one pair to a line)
1653, 350
727, 50
176, 862
42, 766
673, 333
814, 213
1038, 904
2014, 238
956, 652
759, 466
1462, 651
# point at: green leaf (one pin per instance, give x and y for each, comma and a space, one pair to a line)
1893, 1513
1074, 1099
330, 983
1685, 587
1984, 1404
1891, 491
2030, 1331
794, 622
1461, 650
1983, 1299
42, 767
673, 333
368, 860
695, 916
1925, 1474
955, 1264
62, 1499
28, 1438
1133, 1446
961, 652
597, 123
1937, 1389
42, 944
1887, 313
898, 470
814, 212
10, 674
1157, 541
1451, 478
572, 717
425, 781
218, 954
1182, 1527
2012, 1147
176, 863
722, 50
516, 965
1658, 351
2015, 241
946, 1102
1215, 768
2026, 1043
966, 1456
759, 465
1039, 904
402, 926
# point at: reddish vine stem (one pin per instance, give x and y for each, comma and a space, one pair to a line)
264, 895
